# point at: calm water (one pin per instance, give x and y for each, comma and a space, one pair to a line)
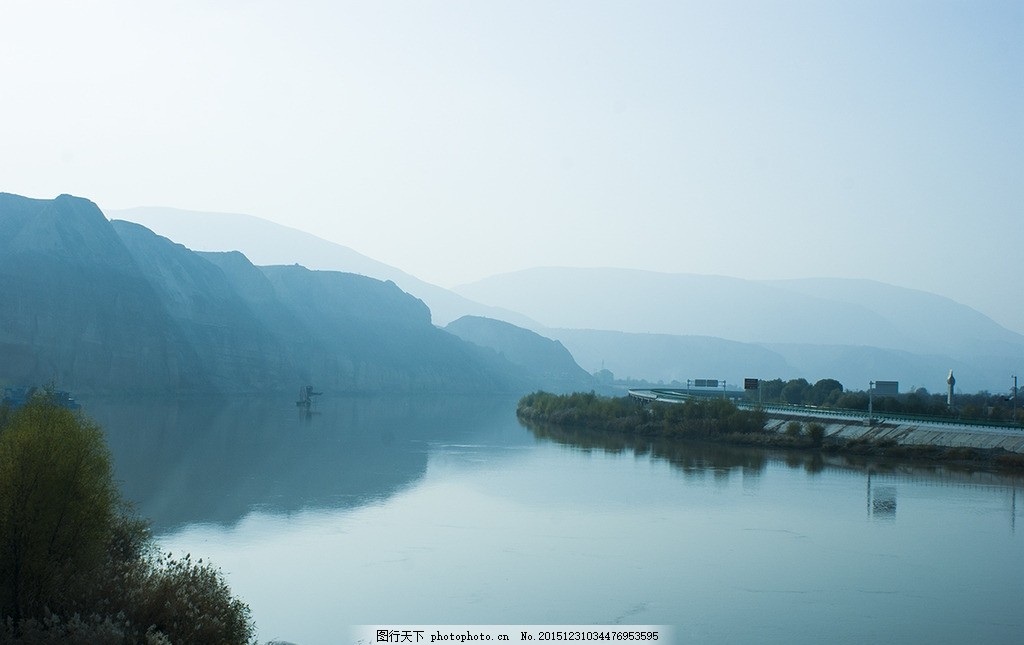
425, 511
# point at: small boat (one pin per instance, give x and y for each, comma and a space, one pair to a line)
306, 395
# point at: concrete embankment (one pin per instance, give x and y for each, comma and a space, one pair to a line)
908, 433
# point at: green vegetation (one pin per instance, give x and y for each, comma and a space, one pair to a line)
75, 565
816, 432
586, 416
712, 418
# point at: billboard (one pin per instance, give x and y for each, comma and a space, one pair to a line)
706, 382
750, 383
887, 388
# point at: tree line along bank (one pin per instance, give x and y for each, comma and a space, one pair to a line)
720, 420
830, 393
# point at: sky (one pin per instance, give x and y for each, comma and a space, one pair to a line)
457, 140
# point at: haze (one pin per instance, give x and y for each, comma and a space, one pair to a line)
458, 140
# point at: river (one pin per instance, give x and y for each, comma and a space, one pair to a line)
447, 511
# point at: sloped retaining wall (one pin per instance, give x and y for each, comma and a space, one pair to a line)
911, 434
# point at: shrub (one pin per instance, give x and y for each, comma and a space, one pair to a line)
817, 433
75, 565
190, 603
57, 506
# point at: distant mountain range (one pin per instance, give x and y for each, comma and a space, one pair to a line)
267, 243
110, 307
673, 327
544, 361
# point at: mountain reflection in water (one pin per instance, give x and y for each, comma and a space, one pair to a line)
214, 461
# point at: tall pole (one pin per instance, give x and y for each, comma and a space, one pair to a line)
1014, 417
950, 381
871, 394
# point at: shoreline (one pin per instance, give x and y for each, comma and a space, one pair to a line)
1002, 449
962, 447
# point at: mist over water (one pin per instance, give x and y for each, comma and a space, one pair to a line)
428, 510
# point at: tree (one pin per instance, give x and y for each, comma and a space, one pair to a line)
75, 566
57, 506
795, 391
772, 390
825, 391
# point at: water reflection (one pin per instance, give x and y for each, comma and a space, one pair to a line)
695, 459
881, 501
447, 511
215, 460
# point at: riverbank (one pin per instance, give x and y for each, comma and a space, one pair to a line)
999, 447
722, 422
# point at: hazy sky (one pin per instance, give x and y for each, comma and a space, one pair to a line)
456, 140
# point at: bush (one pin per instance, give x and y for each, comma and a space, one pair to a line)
794, 428
817, 433
75, 565
190, 602
692, 418
57, 506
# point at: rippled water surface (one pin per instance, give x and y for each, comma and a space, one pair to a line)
405, 511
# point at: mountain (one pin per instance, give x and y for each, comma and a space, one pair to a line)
237, 348
847, 312
863, 329
268, 243
924, 321
856, 366
547, 362
361, 334
77, 310
676, 359
640, 324
668, 358
110, 307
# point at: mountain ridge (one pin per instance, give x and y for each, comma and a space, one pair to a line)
802, 321
635, 291
268, 243
102, 307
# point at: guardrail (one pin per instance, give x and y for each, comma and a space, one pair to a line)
880, 416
